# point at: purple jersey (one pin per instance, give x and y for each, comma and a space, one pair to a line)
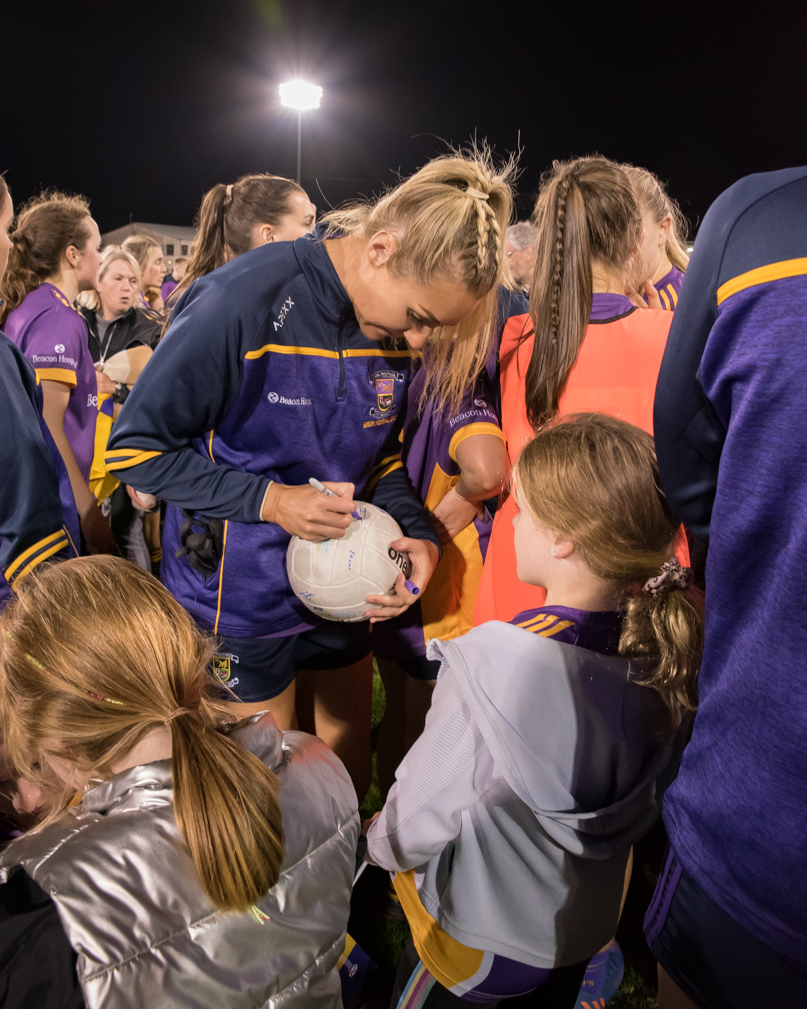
597, 630
430, 443
54, 338
669, 287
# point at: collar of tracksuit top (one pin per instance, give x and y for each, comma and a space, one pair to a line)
265, 372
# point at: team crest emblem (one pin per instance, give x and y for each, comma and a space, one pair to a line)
221, 667
385, 391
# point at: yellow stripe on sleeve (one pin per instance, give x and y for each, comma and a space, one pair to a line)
762, 275
63, 375
116, 460
673, 296
469, 431
665, 301
29, 567
39, 545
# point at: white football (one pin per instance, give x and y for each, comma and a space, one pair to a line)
334, 577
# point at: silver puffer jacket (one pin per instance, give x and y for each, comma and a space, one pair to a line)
146, 934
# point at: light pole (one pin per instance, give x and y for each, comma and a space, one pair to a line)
300, 96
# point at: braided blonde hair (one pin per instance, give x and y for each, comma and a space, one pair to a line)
450, 216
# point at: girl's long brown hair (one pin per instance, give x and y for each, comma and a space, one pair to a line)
46, 226
94, 654
586, 211
595, 479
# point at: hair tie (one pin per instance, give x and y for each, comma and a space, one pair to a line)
228, 194
477, 193
175, 714
671, 576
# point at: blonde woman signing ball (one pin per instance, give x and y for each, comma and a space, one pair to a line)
293, 361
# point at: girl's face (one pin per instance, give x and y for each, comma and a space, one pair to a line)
534, 542
652, 246
154, 269
299, 221
89, 258
6, 217
117, 289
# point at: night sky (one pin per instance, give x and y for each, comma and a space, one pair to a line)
142, 107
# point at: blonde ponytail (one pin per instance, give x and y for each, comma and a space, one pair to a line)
451, 217
94, 655
227, 808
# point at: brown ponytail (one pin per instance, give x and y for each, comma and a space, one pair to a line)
46, 226
668, 630
94, 655
229, 213
586, 211
595, 479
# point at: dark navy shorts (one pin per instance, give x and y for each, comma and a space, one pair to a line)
712, 958
258, 669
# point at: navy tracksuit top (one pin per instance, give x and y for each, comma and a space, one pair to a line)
263, 375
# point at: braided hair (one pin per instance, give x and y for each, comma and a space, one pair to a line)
450, 217
586, 210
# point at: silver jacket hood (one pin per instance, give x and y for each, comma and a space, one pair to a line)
145, 932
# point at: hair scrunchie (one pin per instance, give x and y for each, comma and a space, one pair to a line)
671, 576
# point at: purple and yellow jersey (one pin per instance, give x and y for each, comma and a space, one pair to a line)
596, 630
669, 287
54, 338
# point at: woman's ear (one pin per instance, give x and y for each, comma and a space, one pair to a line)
381, 247
266, 234
664, 230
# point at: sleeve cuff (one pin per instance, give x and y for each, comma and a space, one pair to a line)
481, 427
63, 375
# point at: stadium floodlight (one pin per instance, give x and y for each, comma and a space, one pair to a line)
300, 96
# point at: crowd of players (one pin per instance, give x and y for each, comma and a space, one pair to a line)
502, 390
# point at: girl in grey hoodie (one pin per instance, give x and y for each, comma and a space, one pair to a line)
551, 739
